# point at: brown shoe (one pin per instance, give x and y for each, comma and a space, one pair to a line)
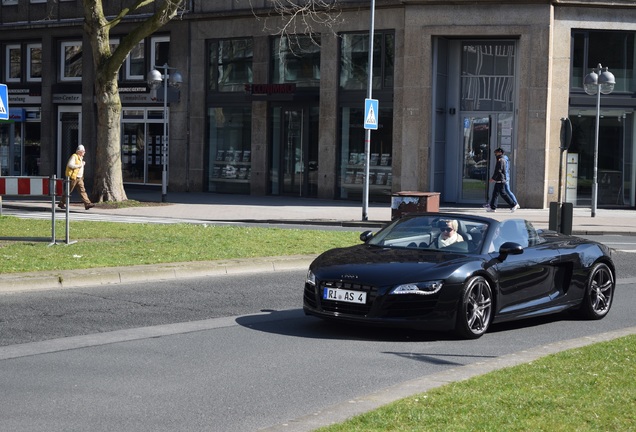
62, 206
89, 206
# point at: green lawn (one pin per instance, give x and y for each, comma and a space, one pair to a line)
105, 244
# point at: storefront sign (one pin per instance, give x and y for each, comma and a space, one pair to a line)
67, 98
16, 114
23, 96
270, 89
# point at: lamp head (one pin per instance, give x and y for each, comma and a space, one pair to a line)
590, 83
154, 79
176, 79
606, 81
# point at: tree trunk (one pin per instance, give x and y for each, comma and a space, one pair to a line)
108, 184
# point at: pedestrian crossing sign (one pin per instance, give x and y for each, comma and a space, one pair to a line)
4, 102
370, 113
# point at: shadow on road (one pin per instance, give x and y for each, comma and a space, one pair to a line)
294, 322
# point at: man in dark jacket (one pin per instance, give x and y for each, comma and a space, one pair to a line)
499, 179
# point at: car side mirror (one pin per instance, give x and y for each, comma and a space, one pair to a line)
509, 248
366, 236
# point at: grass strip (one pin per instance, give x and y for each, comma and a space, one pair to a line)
583, 389
110, 244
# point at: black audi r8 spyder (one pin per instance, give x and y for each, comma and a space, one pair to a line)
445, 271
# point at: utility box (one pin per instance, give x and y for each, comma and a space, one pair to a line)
413, 202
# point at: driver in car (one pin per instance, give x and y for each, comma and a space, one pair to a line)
448, 234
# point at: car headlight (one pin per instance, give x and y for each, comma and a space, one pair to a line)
311, 278
420, 288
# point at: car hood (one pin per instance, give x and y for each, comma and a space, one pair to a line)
379, 265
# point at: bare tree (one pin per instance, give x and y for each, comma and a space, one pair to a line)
301, 17
108, 184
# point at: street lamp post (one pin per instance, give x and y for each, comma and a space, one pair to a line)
155, 79
600, 80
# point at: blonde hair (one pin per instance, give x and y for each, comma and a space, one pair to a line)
449, 222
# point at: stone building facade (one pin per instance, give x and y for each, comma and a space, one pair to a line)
262, 114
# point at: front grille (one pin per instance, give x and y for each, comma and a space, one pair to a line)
344, 307
403, 306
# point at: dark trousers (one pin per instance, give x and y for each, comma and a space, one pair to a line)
500, 189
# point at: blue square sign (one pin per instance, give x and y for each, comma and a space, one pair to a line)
370, 113
4, 102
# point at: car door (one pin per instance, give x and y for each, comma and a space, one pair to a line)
526, 281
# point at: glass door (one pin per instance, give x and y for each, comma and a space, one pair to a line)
295, 151
476, 161
483, 133
294, 159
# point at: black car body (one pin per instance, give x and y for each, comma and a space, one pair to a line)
501, 271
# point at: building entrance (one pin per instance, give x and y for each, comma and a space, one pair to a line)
68, 133
294, 153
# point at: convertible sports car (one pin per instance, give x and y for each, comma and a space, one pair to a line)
437, 271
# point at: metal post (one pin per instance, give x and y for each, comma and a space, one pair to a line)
367, 139
164, 147
52, 184
595, 175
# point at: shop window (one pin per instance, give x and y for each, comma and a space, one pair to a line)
13, 62
230, 64
354, 60
352, 155
230, 156
34, 62
296, 59
612, 49
142, 154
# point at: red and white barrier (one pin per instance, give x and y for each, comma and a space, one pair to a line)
35, 186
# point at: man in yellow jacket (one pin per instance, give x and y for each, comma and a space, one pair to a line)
75, 173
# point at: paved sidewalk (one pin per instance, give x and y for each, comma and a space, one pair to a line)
267, 210
275, 210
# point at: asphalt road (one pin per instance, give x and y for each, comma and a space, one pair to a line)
226, 353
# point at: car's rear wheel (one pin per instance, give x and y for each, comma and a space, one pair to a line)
475, 309
599, 292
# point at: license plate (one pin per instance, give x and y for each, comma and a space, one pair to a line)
342, 295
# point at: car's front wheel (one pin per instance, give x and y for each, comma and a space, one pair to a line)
475, 309
599, 292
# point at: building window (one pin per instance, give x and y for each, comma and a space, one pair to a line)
71, 63
296, 59
612, 49
13, 62
34, 62
9, 2
488, 73
136, 63
160, 50
230, 64
229, 147
354, 60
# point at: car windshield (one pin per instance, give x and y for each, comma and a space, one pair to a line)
449, 234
